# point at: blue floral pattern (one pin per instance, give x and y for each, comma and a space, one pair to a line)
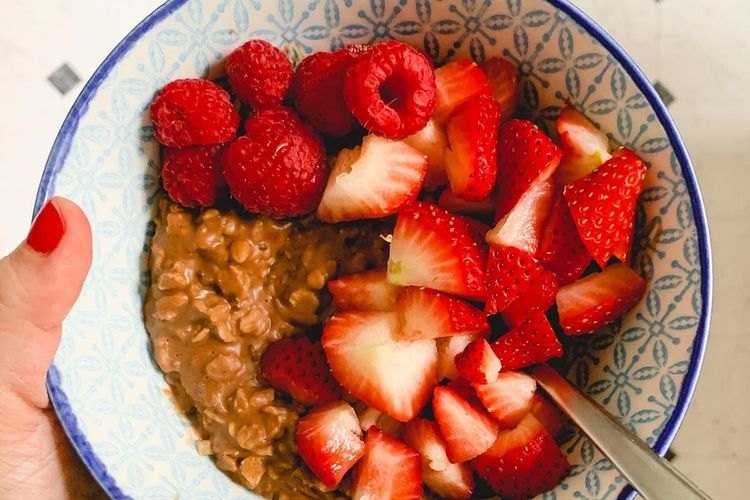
104, 368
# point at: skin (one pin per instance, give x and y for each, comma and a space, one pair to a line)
36, 293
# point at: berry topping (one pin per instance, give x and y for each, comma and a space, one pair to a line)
259, 73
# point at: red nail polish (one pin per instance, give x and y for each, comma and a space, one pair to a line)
47, 229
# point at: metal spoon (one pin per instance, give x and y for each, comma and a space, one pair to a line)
653, 476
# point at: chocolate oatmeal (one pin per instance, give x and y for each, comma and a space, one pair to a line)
223, 287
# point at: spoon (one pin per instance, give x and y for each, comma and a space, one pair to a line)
653, 476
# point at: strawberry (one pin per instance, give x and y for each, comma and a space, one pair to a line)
447, 348
433, 248
531, 342
456, 83
471, 160
329, 441
584, 146
478, 363
426, 314
561, 249
464, 389
523, 462
371, 181
603, 206
456, 205
468, 430
510, 273
548, 415
365, 291
442, 477
389, 470
297, 366
503, 79
591, 303
508, 398
526, 157
539, 298
432, 142
372, 417
394, 377
522, 226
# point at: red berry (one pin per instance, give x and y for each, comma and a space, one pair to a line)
192, 176
193, 112
317, 89
391, 89
357, 49
259, 73
279, 167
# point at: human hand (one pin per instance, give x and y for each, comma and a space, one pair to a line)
39, 282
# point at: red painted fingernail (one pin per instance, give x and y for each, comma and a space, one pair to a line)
47, 229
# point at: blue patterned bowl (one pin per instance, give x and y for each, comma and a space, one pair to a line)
107, 390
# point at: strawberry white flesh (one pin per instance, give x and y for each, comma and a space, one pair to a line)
447, 348
584, 146
432, 142
426, 314
456, 205
365, 291
456, 83
467, 430
508, 398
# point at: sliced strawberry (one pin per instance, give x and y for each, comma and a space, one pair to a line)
523, 462
522, 226
561, 249
447, 348
464, 389
371, 181
433, 248
526, 157
508, 398
371, 417
297, 366
432, 142
591, 303
602, 205
426, 314
456, 205
532, 342
548, 415
585, 147
503, 78
471, 160
329, 441
394, 377
442, 477
456, 83
468, 430
539, 298
389, 470
510, 273
478, 363
365, 291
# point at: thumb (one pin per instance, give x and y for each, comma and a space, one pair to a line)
39, 282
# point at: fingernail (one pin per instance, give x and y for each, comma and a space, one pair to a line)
47, 229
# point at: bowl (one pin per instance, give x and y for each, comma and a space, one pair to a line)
109, 394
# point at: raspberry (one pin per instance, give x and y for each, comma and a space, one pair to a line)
279, 167
317, 88
192, 176
391, 89
193, 112
259, 73
357, 49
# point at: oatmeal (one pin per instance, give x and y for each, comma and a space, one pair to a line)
223, 287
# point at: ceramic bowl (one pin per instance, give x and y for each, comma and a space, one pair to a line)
104, 384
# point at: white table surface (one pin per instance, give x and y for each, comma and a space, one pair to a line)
698, 49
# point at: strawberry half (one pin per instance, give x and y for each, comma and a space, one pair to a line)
503, 79
591, 303
478, 363
548, 415
456, 205
394, 377
442, 477
510, 273
532, 342
433, 143
523, 462
456, 83
297, 366
508, 398
435, 249
464, 389
526, 157
372, 181
539, 298
561, 249
365, 291
584, 146
602, 205
329, 441
389, 470
447, 349
426, 314
468, 430
471, 160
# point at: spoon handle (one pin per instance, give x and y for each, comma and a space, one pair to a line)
653, 476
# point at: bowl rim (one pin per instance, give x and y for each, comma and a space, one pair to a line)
61, 148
